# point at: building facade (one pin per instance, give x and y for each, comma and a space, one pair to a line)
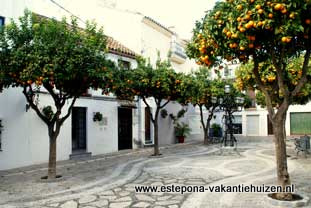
254, 121
24, 137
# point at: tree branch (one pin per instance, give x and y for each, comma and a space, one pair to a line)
262, 88
202, 118
33, 106
149, 110
303, 78
280, 74
62, 120
162, 106
52, 93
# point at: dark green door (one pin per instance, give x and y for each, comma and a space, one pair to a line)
300, 123
78, 128
125, 128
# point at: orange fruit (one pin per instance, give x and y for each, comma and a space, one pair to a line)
259, 24
247, 17
284, 39
260, 11
229, 34
234, 35
292, 15
234, 45
308, 21
278, 7
284, 11
249, 12
242, 29
258, 7
252, 38
242, 48
239, 7
248, 26
251, 45
270, 15
239, 19
288, 39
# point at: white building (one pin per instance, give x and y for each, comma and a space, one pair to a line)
148, 38
24, 138
254, 121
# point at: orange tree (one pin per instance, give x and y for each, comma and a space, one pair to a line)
265, 32
159, 82
199, 90
43, 53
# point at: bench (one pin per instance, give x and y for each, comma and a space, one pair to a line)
302, 144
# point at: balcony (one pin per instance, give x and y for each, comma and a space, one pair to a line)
178, 53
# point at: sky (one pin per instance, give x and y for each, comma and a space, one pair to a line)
181, 14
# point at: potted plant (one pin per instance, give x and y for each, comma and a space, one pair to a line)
215, 130
182, 130
97, 117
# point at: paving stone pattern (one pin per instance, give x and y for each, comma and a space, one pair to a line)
109, 183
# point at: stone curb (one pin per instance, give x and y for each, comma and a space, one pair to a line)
299, 203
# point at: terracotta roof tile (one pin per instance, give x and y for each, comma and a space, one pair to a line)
113, 46
117, 48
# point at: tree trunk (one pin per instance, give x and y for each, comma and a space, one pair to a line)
205, 129
53, 134
52, 158
280, 152
156, 138
206, 137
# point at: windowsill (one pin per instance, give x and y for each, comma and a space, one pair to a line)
250, 109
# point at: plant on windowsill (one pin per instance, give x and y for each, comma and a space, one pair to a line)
182, 130
97, 117
179, 115
164, 113
48, 112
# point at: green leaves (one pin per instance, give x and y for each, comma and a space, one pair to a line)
53, 54
159, 81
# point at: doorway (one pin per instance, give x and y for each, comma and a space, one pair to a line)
78, 129
125, 128
147, 127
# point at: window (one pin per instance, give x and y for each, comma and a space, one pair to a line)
237, 124
2, 21
124, 64
227, 71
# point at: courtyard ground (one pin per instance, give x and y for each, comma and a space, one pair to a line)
109, 180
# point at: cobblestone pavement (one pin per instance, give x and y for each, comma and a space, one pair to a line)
109, 182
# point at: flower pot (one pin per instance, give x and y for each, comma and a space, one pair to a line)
181, 139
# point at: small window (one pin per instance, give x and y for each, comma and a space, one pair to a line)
124, 64
237, 124
2, 21
227, 71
